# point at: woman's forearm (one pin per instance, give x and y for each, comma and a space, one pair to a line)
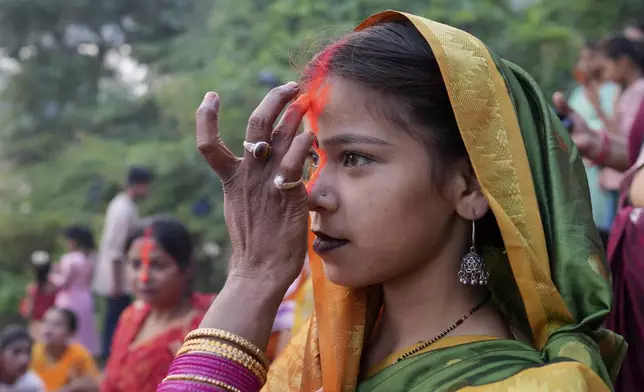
246, 308
610, 151
617, 153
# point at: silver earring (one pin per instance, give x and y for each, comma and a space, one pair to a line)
473, 270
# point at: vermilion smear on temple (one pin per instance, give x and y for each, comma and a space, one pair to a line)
316, 96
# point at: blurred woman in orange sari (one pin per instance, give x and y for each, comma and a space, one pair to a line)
150, 331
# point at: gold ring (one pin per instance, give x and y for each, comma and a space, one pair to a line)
260, 150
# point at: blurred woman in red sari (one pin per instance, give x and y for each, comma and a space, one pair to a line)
150, 331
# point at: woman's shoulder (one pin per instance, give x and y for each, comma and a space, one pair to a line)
77, 351
518, 367
136, 309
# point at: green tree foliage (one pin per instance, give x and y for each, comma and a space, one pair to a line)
72, 122
62, 49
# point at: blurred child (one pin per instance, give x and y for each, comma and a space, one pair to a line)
15, 353
62, 365
41, 294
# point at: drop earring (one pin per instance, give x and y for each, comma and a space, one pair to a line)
473, 270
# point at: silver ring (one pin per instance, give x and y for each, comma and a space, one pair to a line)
260, 150
281, 184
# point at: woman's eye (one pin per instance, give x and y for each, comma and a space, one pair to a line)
351, 159
311, 164
313, 159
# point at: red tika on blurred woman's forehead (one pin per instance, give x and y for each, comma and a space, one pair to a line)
146, 250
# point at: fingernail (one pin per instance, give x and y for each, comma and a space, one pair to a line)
210, 96
291, 85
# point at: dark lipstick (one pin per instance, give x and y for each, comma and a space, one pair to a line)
325, 243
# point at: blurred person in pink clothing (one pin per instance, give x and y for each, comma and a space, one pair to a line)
73, 276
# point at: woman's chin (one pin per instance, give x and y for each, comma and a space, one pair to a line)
343, 274
146, 298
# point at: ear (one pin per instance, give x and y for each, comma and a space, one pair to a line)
469, 201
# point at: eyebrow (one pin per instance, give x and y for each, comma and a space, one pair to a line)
340, 140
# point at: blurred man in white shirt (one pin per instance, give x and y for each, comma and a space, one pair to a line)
109, 278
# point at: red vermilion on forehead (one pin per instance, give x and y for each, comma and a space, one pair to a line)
317, 93
146, 250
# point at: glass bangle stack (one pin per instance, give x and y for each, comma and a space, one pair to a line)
215, 360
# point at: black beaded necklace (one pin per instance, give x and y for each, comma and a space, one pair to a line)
445, 332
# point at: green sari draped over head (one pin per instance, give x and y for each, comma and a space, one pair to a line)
550, 279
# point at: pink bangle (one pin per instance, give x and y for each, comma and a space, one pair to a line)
211, 363
229, 375
226, 378
187, 386
221, 369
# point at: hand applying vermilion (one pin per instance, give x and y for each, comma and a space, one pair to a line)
256, 212
267, 225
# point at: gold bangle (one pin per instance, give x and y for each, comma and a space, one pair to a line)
231, 337
222, 346
234, 355
201, 379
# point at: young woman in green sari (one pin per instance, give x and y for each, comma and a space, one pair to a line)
451, 240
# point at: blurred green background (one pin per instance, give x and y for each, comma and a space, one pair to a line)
89, 87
